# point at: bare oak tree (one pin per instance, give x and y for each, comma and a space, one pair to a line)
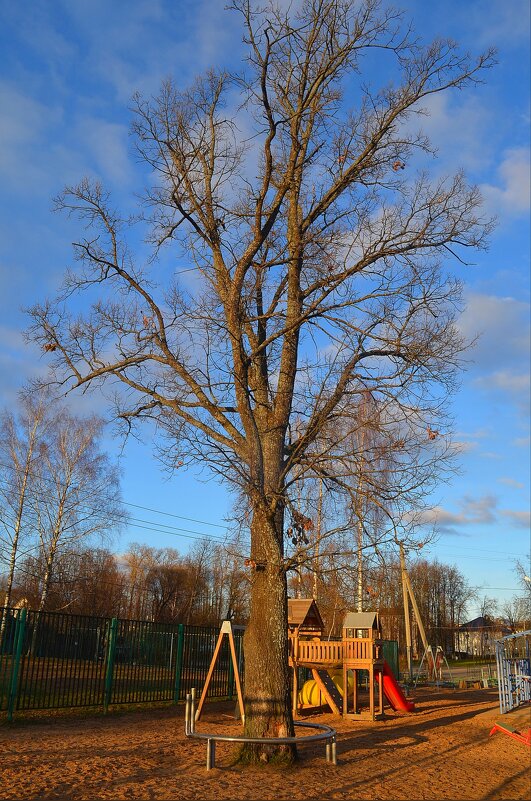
315, 248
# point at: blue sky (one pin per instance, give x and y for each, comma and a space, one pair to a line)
68, 71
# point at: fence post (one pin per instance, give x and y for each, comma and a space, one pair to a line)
20, 628
109, 669
178, 663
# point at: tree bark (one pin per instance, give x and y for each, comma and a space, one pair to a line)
267, 681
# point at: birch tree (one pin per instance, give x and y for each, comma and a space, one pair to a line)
18, 452
76, 494
20, 436
316, 249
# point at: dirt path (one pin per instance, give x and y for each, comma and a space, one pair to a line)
442, 751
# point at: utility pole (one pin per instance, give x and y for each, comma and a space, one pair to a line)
407, 619
408, 594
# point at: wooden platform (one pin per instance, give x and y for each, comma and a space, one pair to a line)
330, 654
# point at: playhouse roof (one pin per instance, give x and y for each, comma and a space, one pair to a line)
361, 620
304, 614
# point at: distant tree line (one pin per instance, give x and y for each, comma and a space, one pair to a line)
144, 583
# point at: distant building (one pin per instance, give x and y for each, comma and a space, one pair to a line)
477, 637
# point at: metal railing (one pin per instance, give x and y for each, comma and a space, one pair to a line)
513, 660
325, 733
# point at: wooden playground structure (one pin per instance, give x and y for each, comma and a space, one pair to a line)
336, 665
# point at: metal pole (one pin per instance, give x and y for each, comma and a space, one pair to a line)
111, 644
179, 663
17, 653
317, 539
360, 566
211, 754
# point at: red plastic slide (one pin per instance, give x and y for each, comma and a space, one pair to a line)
393, 693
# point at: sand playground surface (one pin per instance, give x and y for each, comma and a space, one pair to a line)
441, 751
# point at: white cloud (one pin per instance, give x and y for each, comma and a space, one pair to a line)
513, 385
511, 482
473, 512
479, 433
500, 23
520, 519
500, 356
460, 446
502, 325
21, 129
511, 196
107, 143
511, 382
454, 125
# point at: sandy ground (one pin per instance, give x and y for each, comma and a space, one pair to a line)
441, 751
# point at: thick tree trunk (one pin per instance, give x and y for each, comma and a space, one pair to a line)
267, 681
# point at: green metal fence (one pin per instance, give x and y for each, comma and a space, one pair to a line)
390, 654
52, 660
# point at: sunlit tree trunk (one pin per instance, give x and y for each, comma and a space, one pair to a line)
267, 683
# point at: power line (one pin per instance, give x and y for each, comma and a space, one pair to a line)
510, 589
152, 525
483, 550
483, 558
171, 514
165, 529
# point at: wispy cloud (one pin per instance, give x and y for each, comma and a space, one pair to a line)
462, 446
473, 511
107, 144
520, 519
513, 385
510, 196
501, 326
26, 124
511, 382
454, 127
498, 22
510, 482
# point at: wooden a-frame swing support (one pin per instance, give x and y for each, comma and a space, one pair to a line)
434, 661
226, 628
407, 593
